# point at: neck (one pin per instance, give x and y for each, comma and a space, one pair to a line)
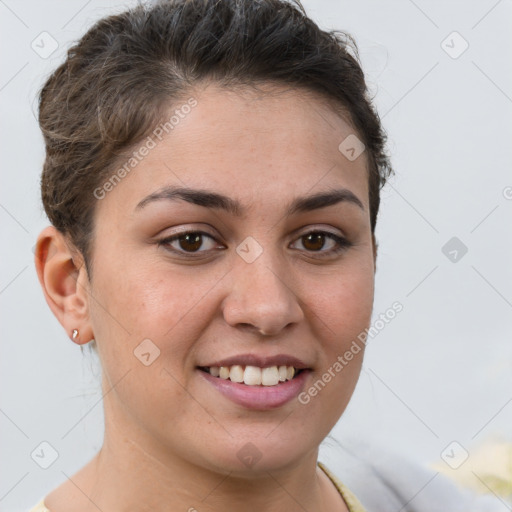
130, 474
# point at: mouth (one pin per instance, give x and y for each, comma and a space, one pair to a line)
254, 376
256, 382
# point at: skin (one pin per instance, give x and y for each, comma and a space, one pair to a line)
171, 439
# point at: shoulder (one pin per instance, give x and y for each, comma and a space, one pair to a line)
385, 481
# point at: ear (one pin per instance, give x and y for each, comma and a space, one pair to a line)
65, 283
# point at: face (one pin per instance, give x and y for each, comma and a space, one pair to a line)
266, 260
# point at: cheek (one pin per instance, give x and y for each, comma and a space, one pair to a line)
341, 310
150, 301
145, 321
343, 304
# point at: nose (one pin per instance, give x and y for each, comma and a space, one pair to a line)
261, 298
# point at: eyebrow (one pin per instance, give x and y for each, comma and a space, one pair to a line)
210, 199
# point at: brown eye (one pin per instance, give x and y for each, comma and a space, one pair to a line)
313, 241
189, 242
323, 242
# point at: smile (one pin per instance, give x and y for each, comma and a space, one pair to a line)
254, 387
253, 375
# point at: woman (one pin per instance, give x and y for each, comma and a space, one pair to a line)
212, 177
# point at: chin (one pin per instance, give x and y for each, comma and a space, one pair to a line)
249, 455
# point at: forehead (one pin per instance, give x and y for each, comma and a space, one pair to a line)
260, 146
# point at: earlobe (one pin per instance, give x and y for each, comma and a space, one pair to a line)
63, 278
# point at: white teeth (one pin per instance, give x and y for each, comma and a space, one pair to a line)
253, 375
236, 373
270, 376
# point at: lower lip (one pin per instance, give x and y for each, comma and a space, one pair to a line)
259, 397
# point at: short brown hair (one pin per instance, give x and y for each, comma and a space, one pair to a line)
116, 81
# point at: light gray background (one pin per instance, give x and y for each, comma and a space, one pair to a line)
440, 371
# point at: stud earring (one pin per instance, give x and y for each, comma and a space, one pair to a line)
75, 334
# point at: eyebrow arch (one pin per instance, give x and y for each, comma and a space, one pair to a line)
215, 200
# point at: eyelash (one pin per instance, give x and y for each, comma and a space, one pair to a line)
342, 243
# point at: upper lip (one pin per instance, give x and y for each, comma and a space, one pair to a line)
260, 361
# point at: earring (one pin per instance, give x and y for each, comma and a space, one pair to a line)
75, 334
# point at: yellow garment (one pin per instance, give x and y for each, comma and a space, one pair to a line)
40, 507
352, 502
